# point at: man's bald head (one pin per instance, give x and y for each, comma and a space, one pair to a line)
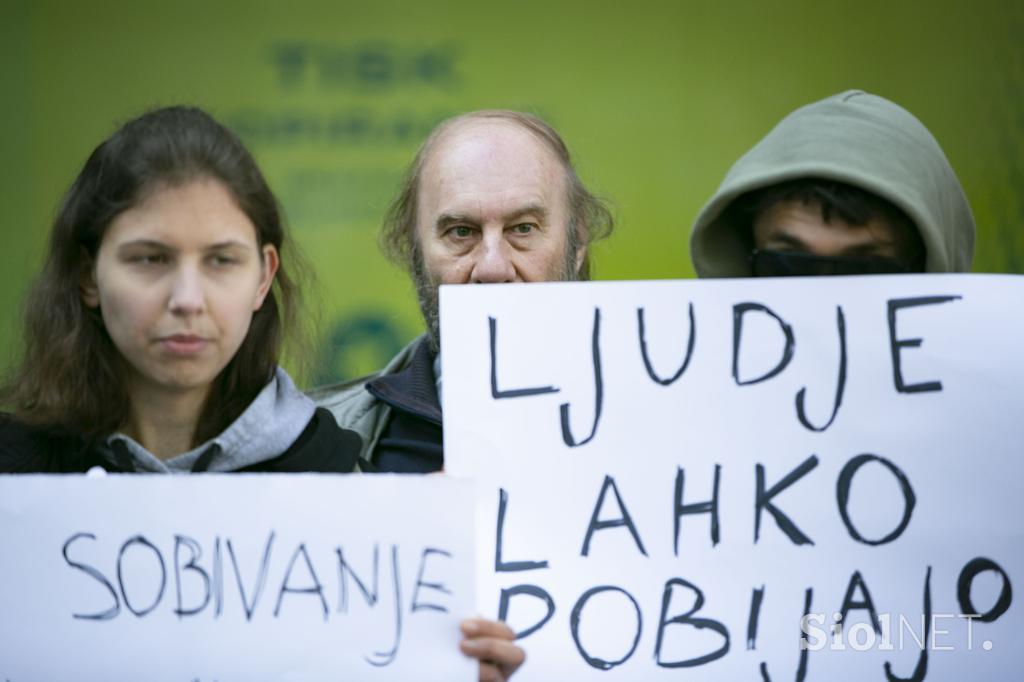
491, 197
589, 218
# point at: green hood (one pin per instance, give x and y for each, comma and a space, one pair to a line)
862, 140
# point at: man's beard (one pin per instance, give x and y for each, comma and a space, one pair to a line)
427, 286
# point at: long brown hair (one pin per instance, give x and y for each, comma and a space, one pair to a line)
71, 375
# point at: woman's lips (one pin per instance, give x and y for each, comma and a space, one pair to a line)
183, 344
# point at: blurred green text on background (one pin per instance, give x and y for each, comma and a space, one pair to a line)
655, 99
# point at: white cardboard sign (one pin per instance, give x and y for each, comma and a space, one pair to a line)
234, 577
696, 480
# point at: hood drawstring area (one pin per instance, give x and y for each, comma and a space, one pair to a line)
202, 462
271, 424
126, 462
124, 459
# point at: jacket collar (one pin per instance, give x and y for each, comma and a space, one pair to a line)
413, 389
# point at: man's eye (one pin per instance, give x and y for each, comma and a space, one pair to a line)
524, 228
461, 231
222, 261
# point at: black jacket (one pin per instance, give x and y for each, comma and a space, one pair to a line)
412, 439
322, 447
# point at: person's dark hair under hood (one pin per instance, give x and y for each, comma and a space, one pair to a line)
849, 203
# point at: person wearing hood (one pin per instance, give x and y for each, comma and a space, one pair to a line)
851, 184
152, 335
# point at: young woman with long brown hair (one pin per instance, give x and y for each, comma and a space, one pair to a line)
153, 333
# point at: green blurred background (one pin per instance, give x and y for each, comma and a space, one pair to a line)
656, 100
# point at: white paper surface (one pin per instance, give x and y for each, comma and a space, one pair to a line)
627, 600
234, 577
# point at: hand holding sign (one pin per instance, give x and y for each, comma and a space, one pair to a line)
491, 642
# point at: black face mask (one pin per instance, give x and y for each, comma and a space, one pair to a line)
800, 264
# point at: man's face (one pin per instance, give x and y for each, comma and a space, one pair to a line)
794, 227
492, 207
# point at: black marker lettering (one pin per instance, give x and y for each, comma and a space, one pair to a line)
95, 575
218, 579
345, 570
498, 394
623, 519
500, 565
755, 613
261, 576
801, 412
196, 551
844, 482
687, 619
574, 627
681, 509
595, 351
316, 588
647, 358
383, 658
966, 579
139, 540
894, 306
921, 669
865, 603
738, 311
417, 605
801, 670
764, 497
528, 590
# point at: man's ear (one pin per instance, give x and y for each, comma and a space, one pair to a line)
581, 246
87, 287
268, 268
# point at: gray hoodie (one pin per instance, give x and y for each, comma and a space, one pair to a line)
268, 427
859, 139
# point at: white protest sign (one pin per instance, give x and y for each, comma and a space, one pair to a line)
234, 577
696, 478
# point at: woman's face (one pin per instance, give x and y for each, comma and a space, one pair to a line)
177, 279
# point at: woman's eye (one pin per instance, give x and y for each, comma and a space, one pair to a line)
223, 261
149, 259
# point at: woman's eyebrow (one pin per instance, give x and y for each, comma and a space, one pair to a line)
143, 243
229, 244
157, 244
